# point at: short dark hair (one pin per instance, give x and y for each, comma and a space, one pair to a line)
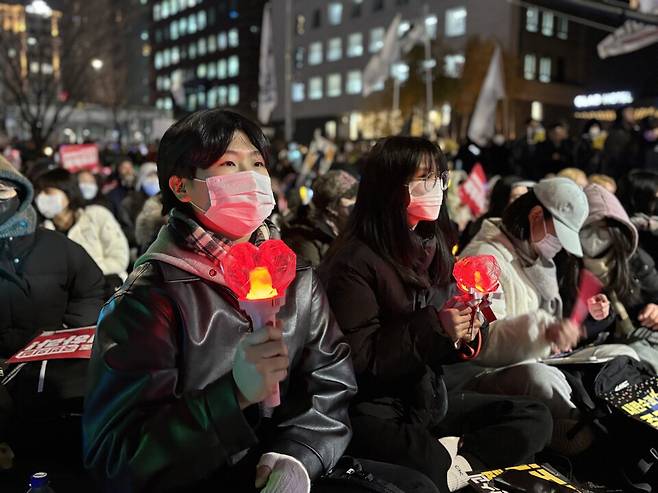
379, 218
637, 192
198, 141
65, 181
516, 216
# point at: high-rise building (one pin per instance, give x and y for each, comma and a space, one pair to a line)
548, 61
204, 54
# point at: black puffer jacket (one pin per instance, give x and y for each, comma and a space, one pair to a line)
161, 411
395, 335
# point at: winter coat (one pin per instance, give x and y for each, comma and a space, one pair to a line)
162, 411
46, 280
310, 238
98, 232
396, 338
519, 333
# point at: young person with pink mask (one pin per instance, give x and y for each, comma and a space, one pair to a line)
178, 373
388, 279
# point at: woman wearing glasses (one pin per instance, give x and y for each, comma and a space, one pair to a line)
388, 279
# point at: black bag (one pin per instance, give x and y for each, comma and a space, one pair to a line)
628, 448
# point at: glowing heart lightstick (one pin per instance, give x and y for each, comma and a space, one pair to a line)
477, 278
260, 277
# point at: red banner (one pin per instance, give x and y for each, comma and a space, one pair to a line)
61, 344
79, 157
473, 192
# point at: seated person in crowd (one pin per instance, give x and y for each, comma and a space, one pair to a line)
638, 193
388, 279
47, 282
93, 227
178, 372
311, 235
531, 322
628, 274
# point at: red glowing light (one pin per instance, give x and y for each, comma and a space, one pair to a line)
259, 273
478, 274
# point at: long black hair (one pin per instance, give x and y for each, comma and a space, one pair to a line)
198, 141
379, 218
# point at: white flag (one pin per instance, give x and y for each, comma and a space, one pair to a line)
417, 34
267, 97
632, 35
483, 121
379, 66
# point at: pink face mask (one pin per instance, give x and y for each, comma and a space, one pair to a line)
239, 203
425, 199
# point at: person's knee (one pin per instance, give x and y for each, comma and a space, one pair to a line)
540, 424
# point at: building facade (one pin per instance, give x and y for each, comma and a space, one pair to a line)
548, 62
204, 53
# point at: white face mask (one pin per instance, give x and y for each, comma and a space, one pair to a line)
88, 190
548, 247
50, 205
425, 199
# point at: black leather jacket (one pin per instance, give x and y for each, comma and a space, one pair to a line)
161, 409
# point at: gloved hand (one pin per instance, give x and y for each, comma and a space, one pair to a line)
260, 363
280, 473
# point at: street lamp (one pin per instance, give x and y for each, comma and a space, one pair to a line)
97, 64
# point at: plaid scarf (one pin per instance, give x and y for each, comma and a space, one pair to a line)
190, 234
194, 237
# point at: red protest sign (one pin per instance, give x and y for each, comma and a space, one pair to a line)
61, 344
79, 157
473, 192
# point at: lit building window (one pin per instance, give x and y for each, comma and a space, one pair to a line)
212, 71
201, 46
233, 38
191, 102
301, 25
334, 85
298, 92
334, 49
222, 95
182, 26
300, 53
354, 82
453, 65
221, 70
233, 66
158, 60
545, 69
430, 26
156, 12
532, 19
191, 51
173, 30
400, 71
191, 24
165, 10
212, 97
201, 20
175, 55
355, 45
233, 95
201, 71
335, 13
212, 44
529, 67
456, 22
315, 88
548, 19
201, 98
315, 53
537, 111
222, 41
168, 104
562, 27
376, 39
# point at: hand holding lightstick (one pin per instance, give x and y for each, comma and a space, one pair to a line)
260, 277
477, 278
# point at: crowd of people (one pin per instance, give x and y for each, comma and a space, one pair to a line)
379, 360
